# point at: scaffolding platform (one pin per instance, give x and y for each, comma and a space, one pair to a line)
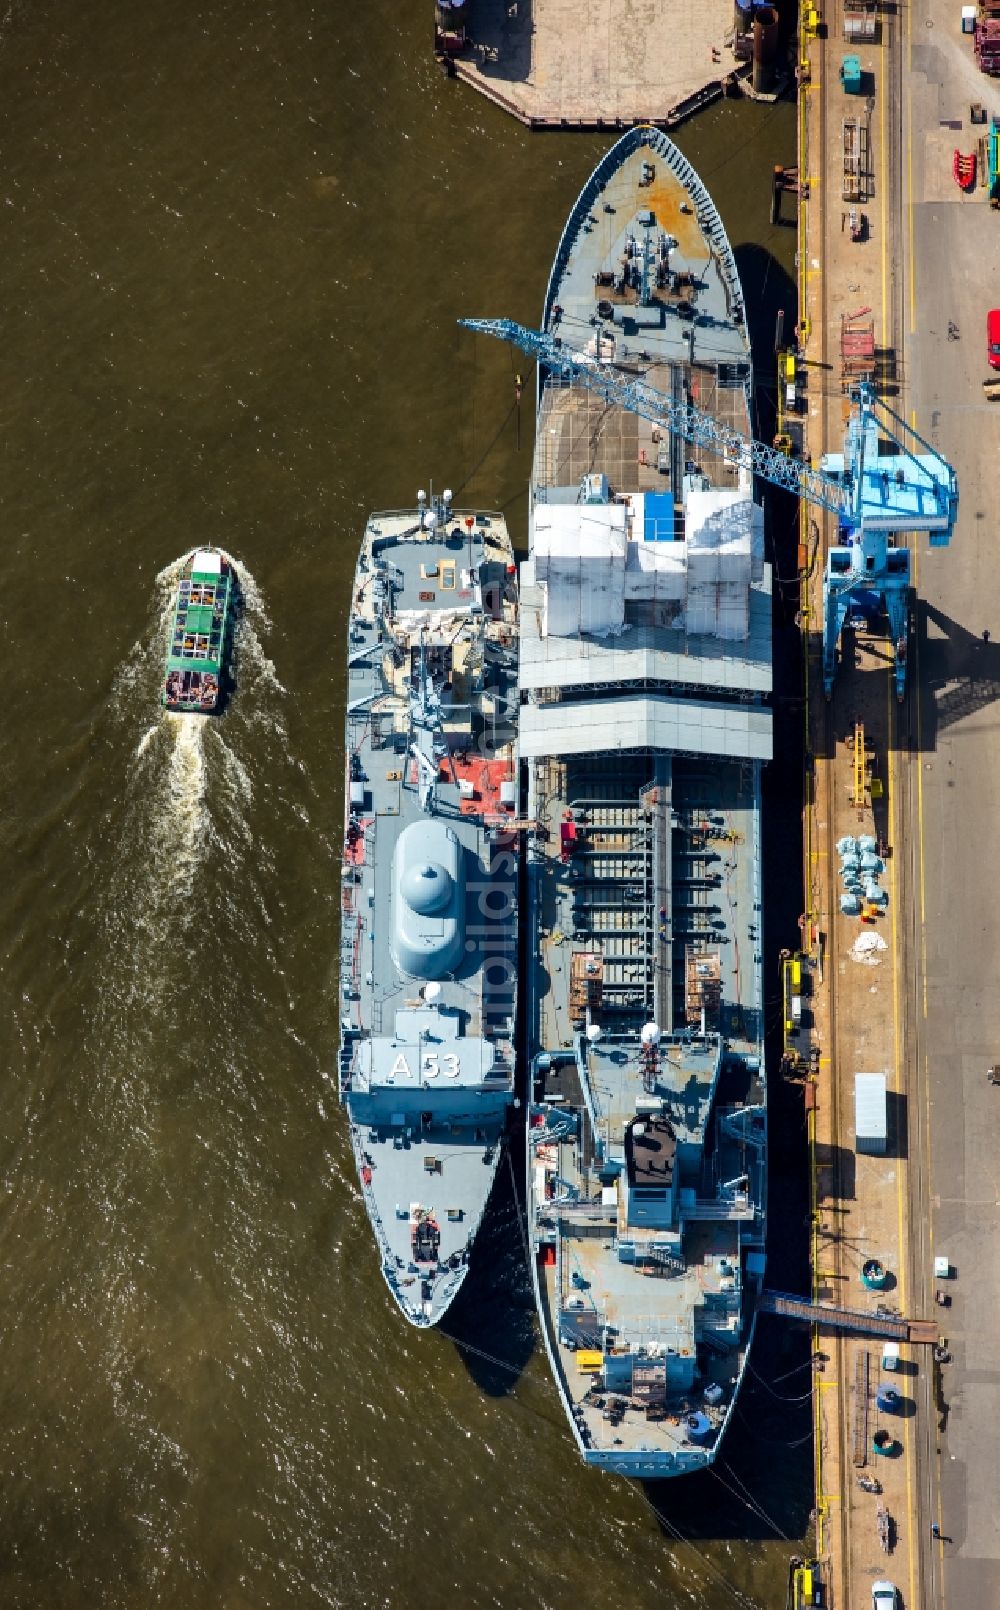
857, 347
860, 21
857, 159
703, 987
586, 985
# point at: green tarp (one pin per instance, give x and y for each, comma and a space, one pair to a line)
176, 663
198, 619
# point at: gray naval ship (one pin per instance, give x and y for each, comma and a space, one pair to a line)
429, 887
645, 674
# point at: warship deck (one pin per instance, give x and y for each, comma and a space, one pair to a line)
429, 888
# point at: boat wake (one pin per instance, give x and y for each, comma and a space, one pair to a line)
181, 831
182, 827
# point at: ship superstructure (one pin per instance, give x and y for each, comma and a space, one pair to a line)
645, 674
429, 886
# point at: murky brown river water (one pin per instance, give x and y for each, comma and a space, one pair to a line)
234, 239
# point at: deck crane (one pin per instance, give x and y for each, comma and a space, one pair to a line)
875, 496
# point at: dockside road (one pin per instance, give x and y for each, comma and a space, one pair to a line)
897, 271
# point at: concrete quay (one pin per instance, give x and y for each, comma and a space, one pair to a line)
897, 269
908, 299
603, 64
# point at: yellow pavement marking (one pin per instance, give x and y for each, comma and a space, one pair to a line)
899, 1061
909, 167
883, 188
920, 784
923, 967
892, 890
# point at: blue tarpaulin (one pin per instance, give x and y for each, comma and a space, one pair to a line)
658, 522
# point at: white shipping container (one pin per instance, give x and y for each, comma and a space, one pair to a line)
871, 1119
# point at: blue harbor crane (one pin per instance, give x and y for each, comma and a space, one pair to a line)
875, 495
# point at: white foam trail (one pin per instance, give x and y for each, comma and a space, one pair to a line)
255, 668
146, 740
235, 775
254, 664
253, 598
182, 832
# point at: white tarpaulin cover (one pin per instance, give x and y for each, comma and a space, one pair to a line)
579, 553
592, 558
724, 550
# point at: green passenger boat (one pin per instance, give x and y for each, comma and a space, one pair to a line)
201, 633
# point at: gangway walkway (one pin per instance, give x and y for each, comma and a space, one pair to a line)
891, 1326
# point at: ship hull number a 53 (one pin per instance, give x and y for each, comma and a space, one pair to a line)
432, 1066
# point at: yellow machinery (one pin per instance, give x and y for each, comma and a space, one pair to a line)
860, 765
804, 1585
791, 992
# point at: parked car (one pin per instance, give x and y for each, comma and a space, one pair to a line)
993, 338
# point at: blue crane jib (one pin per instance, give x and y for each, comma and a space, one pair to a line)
898, 491
692, 424
875, 495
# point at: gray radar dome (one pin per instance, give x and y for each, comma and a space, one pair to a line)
427, 888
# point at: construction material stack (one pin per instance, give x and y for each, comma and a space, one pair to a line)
987, 37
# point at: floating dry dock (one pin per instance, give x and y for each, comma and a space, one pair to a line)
610, 63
